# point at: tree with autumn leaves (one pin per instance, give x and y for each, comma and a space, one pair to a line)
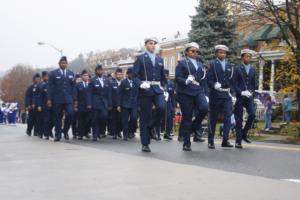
286, 16
287, 74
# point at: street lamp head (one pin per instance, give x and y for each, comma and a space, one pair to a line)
52, 46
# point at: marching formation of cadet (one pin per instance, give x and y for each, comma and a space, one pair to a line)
94, 105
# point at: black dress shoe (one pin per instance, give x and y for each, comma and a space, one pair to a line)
155, 138
46, 138
115, 137
80, 138
158, 138
56, 139
187, 147
226, 144
28, 133
168, 137
197, 133
238, 145
119, 135
211, 146
153, 134
129, 135
66, 136
146, 148
198, 139
87, 136
125, 138
41, 136
180, 138
51, 135
247, 140
74, 137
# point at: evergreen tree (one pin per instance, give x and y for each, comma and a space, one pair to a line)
212, 26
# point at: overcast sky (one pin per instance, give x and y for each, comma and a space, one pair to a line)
83, 26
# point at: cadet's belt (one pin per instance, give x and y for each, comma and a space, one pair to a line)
195, 83
224, 89
153, 82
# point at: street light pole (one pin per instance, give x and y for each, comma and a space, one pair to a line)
52, 46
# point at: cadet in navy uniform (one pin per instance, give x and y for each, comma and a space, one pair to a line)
81, 105
192, 91
99, 98
116, 121
220, 83
31, 104
128, 102
47, 114
149, 76
60, 96
244, 79
170, 109
74, 120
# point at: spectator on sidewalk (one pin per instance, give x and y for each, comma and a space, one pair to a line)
287, 109
268, 112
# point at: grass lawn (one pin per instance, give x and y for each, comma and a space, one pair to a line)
258, 134
290, 131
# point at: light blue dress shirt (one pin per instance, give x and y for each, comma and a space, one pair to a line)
223, 63
194, 61
152, 57
247, 67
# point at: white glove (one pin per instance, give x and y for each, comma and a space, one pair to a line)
246, 94
189, 80
145, 85
166, 94
273, 99
207, 99
218, 86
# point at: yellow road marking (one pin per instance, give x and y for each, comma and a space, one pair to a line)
269, 147
273, 147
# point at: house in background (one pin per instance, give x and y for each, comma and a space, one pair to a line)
254, 34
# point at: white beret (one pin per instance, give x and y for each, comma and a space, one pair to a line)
190, 45
154, 39
248, 51
221, 47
